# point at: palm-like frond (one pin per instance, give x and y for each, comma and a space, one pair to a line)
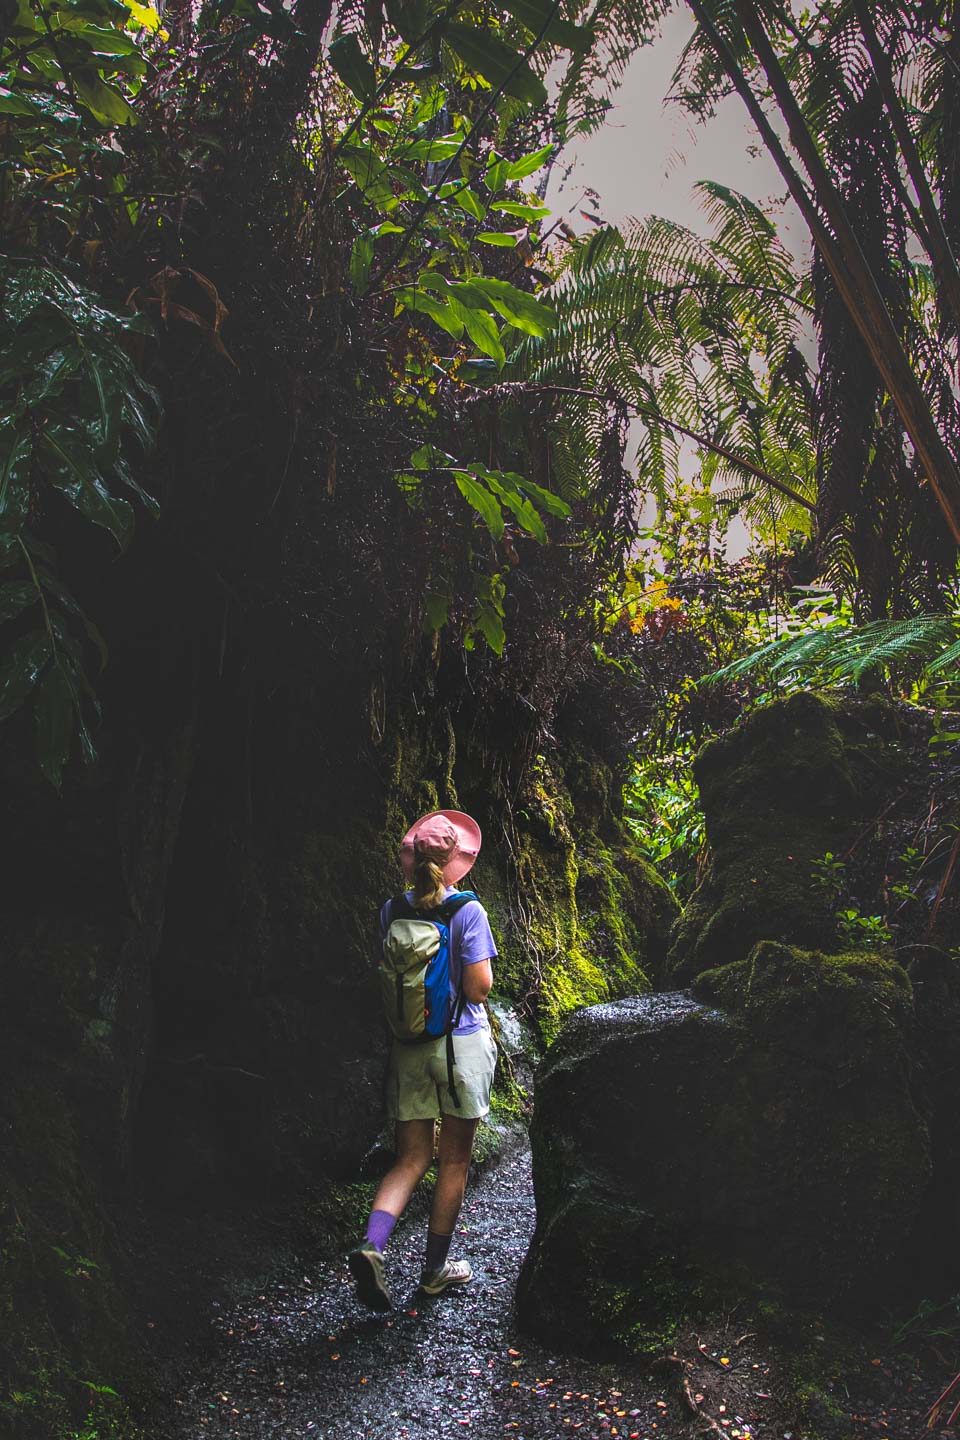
700, 338
618, 29
837, 653
877, 88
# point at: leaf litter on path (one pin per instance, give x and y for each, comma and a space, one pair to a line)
304, 1361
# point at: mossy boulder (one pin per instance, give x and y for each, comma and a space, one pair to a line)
791, 782
686, 1150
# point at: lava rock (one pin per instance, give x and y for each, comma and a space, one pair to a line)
684, 1152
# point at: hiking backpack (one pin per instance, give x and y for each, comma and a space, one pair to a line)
415, 975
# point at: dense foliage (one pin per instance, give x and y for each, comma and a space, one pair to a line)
316, 500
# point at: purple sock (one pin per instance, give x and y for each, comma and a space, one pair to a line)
438, 1248
380, 1228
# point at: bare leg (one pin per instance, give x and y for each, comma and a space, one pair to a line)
414, 1157
453, 1162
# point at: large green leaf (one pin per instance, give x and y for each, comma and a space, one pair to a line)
55, 587
78, 35
502, 485
55, 706
490, 623
362, 162
443, 148
543, 17
449, 317
528, 164
485, 504
144, 15
353, 67
411, 18
361, 258
71, 472
15, 597
11, 104
482, 329
523, 212
23, 668
506, 239
104, 103
467, 201
16, 460
522, 310
437, 609
545, 499
492, 58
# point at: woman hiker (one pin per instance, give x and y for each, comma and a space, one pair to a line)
443, 1054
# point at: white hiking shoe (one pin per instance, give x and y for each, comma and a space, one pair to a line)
366, 1267
453, 1272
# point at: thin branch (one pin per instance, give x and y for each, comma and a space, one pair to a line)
651, 412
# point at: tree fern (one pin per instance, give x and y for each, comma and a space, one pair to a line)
876, 89
700, 338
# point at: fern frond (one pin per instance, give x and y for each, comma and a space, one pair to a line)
837, 653
700, 337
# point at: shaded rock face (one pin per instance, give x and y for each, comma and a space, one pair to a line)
189, 1004
269, 1053
682, 1151
791, 782
82, 916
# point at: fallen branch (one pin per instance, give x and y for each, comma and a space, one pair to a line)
942, 890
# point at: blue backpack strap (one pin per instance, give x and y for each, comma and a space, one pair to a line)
448, 909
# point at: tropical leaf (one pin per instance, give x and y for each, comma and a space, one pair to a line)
22, 668
485, 504
487, 55
353, 66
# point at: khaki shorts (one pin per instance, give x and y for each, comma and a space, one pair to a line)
417, 1086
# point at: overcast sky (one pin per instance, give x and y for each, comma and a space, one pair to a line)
648, 155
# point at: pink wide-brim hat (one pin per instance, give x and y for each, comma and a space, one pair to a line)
450, 838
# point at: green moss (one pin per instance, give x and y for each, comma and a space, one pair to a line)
790, 782
777, 984
509, 1101
581, 919
338, 1215
645, 1317
834, 1030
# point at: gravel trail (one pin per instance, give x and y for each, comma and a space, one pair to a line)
306, 1360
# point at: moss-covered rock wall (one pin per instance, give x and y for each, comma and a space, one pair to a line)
689, 1154
190, 1011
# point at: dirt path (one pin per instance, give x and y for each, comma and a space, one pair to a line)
303, 1361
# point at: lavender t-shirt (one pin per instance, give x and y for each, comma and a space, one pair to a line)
471, 940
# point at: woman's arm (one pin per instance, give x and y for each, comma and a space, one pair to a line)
477, 980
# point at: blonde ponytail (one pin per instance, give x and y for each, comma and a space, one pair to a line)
429, 889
